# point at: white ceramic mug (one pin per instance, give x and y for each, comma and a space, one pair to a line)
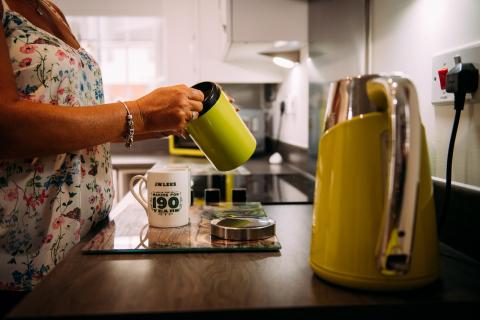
168, 196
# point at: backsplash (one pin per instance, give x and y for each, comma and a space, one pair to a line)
246, 95
293, 92
405, 35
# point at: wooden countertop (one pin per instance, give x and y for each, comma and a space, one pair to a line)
236, 285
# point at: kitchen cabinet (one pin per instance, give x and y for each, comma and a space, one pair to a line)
266, 21
218, 41
233, 32
215, 42
182, 44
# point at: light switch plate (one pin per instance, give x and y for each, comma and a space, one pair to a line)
468, 53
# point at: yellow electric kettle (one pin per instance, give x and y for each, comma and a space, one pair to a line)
374, 217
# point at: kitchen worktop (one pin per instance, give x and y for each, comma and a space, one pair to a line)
256, 165
235, 285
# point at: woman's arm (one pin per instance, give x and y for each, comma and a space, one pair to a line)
29, 129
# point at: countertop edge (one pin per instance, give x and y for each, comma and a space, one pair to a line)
464, 309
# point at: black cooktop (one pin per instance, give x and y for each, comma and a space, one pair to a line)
293, 188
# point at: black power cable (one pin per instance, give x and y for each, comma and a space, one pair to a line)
461, 79
448, 175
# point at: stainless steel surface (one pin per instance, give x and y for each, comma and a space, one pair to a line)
243, 228
347, 99
403, 175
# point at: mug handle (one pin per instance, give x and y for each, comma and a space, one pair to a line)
139, 196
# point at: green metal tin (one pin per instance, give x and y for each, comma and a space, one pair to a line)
220, 132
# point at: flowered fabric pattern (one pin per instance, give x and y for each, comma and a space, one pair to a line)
48, 203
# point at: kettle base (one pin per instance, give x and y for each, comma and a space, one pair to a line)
374, 284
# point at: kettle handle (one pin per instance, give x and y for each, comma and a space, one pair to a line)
404, 154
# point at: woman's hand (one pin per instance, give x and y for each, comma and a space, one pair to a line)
170, 108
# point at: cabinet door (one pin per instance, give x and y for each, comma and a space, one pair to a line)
214, 42
269, 20
182, 41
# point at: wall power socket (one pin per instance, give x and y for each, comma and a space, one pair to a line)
469, 53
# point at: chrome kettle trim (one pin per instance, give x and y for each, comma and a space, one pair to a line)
398, 221
347, 98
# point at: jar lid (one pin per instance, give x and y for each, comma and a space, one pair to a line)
211, 92
243, 228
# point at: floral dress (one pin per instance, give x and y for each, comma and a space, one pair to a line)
48, 203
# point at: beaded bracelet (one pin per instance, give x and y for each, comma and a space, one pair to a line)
130, 127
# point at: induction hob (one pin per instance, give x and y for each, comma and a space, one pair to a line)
292, 188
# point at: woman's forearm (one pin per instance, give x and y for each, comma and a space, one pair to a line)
29, 129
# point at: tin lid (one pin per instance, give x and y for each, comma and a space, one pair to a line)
211, 92
243, 228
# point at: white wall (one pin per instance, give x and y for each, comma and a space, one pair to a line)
405, 36
294, 91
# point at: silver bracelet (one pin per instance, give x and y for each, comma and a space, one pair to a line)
130, 127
